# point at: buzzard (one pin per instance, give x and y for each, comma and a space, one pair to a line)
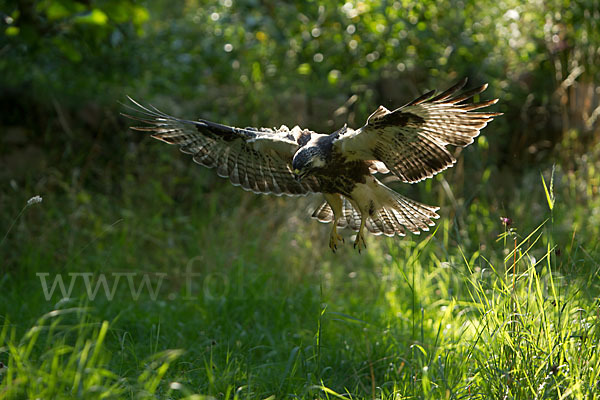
409, 142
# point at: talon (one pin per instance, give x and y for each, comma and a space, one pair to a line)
332, 245
334, 238
359, 243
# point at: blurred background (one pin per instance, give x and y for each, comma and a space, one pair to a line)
67, 65
116, 200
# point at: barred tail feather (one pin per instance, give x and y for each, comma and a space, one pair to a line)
323, 213
393, 218
350, 216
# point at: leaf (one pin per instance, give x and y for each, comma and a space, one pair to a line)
333, 76
94, 17
12, 31
62, 9
549, 192
140, 15
304, 69
68, 49
330, 391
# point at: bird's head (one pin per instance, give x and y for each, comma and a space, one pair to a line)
306, 160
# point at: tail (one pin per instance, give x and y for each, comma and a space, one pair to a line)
350, 217
396, 215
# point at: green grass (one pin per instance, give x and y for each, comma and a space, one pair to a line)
471, 310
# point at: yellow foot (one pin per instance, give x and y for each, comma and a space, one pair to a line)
334, 238
359, 243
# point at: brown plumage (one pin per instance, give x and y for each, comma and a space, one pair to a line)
409, 142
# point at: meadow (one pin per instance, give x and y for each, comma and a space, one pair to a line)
137, 274
246, 303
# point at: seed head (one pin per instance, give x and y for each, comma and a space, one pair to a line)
34, 200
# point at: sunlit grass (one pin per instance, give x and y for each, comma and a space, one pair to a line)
447, 315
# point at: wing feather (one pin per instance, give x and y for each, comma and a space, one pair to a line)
257, 159
411, 140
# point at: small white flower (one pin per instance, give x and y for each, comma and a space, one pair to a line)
34, 200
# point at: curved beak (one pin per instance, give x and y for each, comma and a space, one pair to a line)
298, 175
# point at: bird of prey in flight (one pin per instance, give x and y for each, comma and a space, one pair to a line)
409, 142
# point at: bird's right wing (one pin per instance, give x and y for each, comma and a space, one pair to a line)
255, 159
411, 140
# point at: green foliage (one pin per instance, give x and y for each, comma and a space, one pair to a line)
266, 60
61, 48
549, 192
64, 356
452, 315
482, 307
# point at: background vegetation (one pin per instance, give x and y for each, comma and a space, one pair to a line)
482, 307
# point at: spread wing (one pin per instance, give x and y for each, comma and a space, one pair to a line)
411, 141
255, 159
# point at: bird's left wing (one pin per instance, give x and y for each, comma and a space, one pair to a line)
411, 141
255, 159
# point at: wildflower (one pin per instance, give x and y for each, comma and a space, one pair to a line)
34, 200
506, 221
31, 201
